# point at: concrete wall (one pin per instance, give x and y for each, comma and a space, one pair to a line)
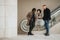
11, 18
25, 6
2, 18
8, 18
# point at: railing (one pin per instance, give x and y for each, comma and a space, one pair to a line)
55, 18
54, 15
55, 10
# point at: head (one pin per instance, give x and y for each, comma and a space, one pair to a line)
38, 11
34, 10
44, 6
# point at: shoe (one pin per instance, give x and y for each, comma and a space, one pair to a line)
46, 34
30, 34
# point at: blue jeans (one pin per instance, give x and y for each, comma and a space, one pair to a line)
47, 25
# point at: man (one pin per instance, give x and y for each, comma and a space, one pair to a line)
46, 18
31, 20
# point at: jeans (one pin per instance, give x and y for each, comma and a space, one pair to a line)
47, 25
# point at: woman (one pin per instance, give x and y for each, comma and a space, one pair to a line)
39, 15
39, 21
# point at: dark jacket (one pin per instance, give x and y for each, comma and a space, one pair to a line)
47, 14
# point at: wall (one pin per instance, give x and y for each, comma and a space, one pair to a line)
8, 18
25, 6
2, 18
11, 18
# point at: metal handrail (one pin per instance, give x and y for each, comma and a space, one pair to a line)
54, 17
55, 10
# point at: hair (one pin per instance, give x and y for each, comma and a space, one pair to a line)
43, 5
34, 9
39, 10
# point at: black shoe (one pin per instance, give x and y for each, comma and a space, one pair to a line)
46, 34
30, 34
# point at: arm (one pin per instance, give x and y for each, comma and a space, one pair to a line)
28, 16
49, 14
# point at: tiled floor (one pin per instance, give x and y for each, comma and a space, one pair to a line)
34, 37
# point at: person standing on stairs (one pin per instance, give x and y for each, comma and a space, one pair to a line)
46, 18
31, 20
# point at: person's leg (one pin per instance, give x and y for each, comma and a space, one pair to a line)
31, 28
47, 26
